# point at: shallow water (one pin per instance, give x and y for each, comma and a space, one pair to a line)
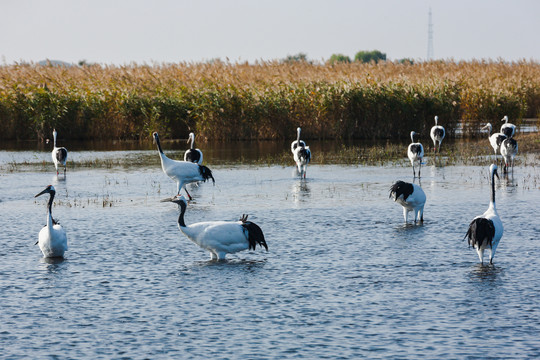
343, 277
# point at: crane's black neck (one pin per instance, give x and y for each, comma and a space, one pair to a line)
51, 199
493, 187
182, 212
158, 144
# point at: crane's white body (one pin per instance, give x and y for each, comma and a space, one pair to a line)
58, 154
413, 202
193, 154
492, 215
437, 134
507, 128
220, 237
52, 239
301, 154
415, 152
509, 150
182, 172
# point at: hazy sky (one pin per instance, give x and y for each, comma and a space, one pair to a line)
125, 31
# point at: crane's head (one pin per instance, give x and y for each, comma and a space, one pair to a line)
48, 190
155, 136
505, 118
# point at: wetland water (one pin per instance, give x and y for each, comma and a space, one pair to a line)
343, 277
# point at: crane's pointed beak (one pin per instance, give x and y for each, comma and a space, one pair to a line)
43, 192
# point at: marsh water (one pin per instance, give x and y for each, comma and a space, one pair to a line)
344, 277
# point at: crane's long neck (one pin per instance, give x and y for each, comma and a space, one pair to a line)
298, 137
193, 142
49, 210
54, 139
158, 145
492, 202
181, 222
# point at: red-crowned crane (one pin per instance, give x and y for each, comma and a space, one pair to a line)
183, 172
415, 152
437, 135
301, 154
221, 237
192, 154
411, 197
486, 230
59, 154
52, 238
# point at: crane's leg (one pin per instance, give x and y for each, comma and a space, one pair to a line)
413, 171
419, 167
189, 196
405, 214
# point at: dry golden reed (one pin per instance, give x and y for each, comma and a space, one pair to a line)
266, 100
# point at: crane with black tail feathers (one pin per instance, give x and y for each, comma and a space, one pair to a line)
411, 197
495, 140
221, 237
59, 154
509, 150
415, 152
437, 134
486, 230
183, 172
507, 128
301, 153
52, 238
192, 154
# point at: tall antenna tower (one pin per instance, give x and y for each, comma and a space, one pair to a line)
430, 38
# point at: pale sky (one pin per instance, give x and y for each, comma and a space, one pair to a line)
164, 31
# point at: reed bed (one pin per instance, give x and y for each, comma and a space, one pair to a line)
267, 100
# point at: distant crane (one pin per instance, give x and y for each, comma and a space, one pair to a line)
59, 154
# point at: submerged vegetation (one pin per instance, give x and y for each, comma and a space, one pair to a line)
224, 101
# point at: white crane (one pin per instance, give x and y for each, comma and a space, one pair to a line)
509, 150
59, 154
221, 237
507, 128
52, 238
301, 153
411, 197
486, 230
183, 172
437, 135
192, 154
415, 152
495, 139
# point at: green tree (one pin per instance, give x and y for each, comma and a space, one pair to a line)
369, 56
339, 58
